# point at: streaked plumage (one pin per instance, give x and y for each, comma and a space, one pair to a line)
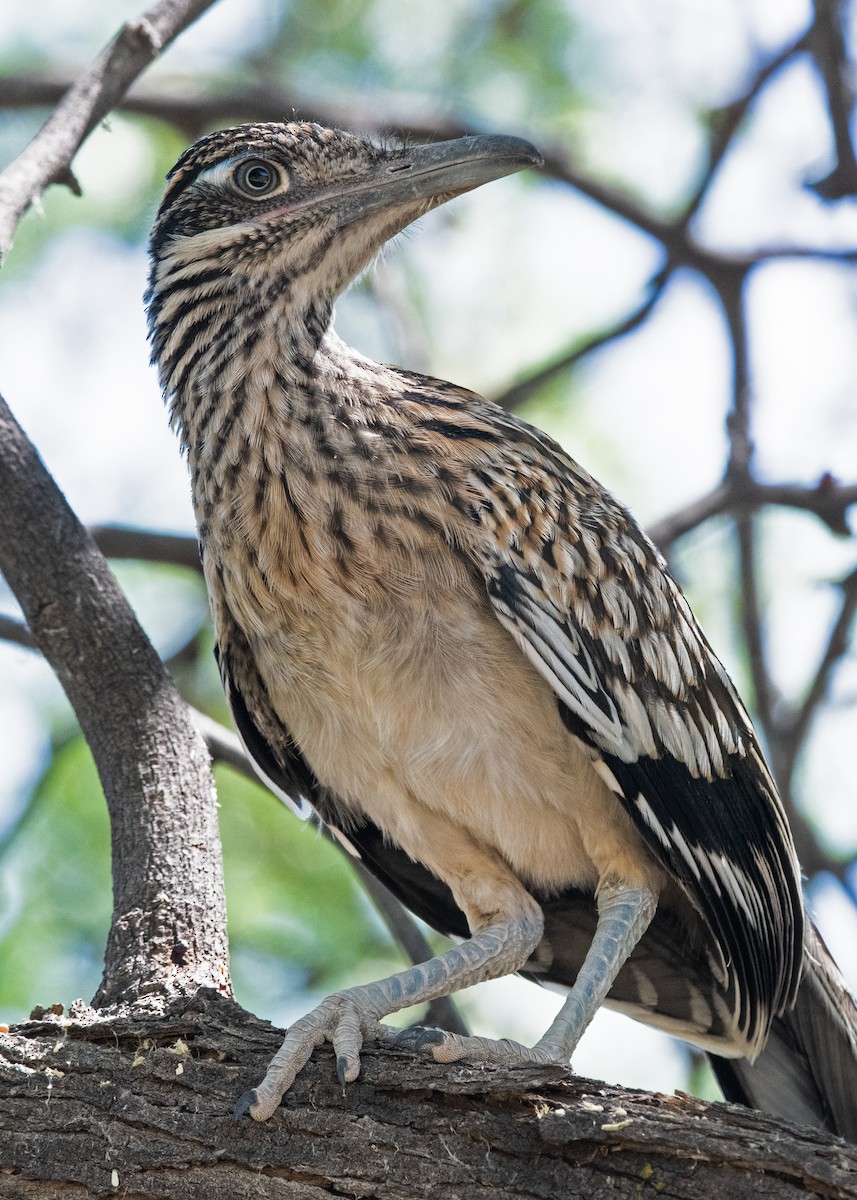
443, 633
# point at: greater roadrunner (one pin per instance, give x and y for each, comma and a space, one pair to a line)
441, 631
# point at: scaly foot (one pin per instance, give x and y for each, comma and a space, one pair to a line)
341, 1019
452, 1047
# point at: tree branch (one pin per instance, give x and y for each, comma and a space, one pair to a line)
828, 500
17, 632
516, 395
827, 43
47, 159
178, 102
143, 1110
125, 541
793, 728
168, 935
728, 120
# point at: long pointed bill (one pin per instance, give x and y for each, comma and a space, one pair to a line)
445, 169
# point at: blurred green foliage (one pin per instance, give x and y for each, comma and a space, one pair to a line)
55, 884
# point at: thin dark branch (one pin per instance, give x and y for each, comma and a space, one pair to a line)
828, 500
730, 289
223, 745
560, 166
751, 621
516, 395
47, 159
124, 541
728, 120
12, 630
669, 529
831, 57
794, 728
739, 477
181, 104
812, 856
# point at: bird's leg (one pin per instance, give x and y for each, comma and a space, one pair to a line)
347, 1017
624, 914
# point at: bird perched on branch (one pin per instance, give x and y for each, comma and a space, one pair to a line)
444, 634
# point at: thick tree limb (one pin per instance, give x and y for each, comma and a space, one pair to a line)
145, 1111
168, 935
48, 157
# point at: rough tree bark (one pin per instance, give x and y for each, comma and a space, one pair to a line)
168, 934
142, 1110
134, 1098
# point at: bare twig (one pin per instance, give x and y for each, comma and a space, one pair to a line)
16, 632
827, 43
727, 122
828, 500
793, 728
516, 395
124, 541
751, 621
47, 159
739, 476
180, 103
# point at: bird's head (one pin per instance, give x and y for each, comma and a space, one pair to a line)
297, 211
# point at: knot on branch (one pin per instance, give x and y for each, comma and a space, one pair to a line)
142, 32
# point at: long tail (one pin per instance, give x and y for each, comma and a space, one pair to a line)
807, 1072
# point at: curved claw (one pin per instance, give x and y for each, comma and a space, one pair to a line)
339, 1019
244, 1104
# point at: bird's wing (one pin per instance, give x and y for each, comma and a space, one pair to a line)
590, 602
268, 743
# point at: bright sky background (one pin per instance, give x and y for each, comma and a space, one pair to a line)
75, 369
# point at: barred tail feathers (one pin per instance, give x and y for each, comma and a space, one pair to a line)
807, 1072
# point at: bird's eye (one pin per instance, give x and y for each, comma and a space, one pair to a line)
255, 177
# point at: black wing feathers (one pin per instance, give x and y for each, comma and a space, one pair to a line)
590, 602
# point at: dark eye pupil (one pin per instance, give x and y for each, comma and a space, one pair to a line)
257, 178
